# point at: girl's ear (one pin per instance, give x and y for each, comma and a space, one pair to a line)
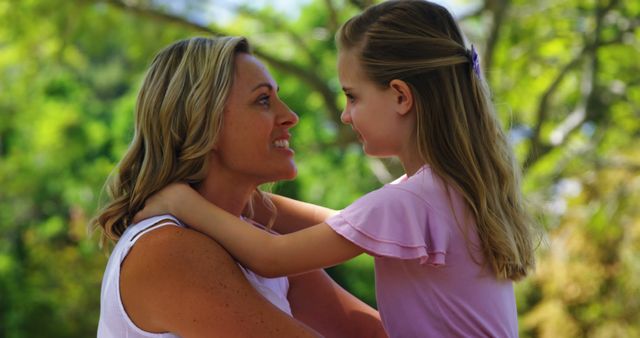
404, 96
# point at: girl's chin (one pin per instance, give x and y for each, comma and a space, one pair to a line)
376, 152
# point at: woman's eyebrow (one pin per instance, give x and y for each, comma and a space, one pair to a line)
263, 84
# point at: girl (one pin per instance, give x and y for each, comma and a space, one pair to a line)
451, 235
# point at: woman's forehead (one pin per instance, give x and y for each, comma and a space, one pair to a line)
250, 71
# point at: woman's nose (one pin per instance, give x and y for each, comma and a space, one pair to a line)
287, 116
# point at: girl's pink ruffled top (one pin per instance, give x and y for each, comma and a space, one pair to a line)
430, 280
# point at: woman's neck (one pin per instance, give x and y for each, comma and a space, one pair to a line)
227, 194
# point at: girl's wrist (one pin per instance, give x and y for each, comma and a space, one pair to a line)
175, 202
173, 210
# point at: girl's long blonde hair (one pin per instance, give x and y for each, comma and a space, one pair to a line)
178, 114
457, 131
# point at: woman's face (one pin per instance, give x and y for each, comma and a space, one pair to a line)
254, 141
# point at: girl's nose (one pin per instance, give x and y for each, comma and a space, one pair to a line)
345, 117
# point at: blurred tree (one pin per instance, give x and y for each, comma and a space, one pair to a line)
69, 73
565, 78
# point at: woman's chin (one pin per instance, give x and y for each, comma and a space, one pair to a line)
291, 174
282, 175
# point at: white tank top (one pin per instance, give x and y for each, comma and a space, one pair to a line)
114, 321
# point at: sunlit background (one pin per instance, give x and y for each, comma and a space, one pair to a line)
565, 77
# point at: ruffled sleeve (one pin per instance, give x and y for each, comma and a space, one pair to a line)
393, 222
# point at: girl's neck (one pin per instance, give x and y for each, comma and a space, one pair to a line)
412, 168
410, 158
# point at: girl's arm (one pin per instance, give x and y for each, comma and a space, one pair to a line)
268, 255
292, 215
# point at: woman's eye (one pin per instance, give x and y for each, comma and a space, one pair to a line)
264, 100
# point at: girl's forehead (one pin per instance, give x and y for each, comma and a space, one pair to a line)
347, 55
349, 67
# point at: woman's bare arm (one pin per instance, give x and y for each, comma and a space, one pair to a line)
178, 280
321, 303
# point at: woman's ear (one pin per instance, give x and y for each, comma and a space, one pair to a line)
404, 96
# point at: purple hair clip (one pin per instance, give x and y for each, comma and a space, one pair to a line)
475, 60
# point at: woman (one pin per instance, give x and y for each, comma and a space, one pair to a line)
208, 113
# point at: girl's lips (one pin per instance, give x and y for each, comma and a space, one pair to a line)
358, 135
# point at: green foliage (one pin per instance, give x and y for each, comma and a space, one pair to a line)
565, 81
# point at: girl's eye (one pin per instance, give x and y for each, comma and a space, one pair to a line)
350, 97
264, 100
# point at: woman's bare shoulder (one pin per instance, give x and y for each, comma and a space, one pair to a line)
177, 279
176, 244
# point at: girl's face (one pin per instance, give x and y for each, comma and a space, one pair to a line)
370, 110
253, 144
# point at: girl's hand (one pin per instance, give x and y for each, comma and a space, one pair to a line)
166, 201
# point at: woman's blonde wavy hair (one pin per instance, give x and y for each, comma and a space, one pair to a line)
457, 130
178, 115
